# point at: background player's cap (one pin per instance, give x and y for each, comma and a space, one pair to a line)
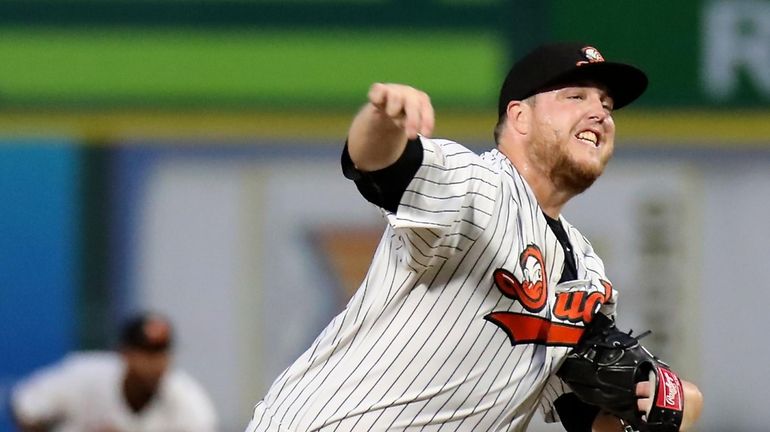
148, 332
563, 63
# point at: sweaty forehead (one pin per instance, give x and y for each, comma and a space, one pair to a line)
560, 89
578, 84
605, 91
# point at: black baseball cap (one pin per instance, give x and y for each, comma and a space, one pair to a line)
147, 331
563, 63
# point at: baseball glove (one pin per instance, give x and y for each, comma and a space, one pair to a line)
604, 368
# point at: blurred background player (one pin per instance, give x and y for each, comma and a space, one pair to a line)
135, 389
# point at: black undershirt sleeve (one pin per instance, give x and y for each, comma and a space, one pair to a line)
385, 187
575, 415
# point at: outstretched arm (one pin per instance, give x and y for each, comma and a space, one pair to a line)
693, 403
393, 114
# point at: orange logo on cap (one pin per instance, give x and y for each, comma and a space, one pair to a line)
592, 55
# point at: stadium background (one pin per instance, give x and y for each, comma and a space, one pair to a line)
182, 155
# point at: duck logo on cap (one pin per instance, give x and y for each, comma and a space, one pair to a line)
592, 55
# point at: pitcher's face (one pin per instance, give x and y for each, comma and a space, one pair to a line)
573, 134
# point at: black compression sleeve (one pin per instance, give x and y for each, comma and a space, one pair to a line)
575, 415
385, 187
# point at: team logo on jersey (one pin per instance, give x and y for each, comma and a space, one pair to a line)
532, 291
572, 309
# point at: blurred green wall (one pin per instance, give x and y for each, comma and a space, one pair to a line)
106, 69
302, 54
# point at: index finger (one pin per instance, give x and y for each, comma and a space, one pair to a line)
378, 95
413, 120
428, 117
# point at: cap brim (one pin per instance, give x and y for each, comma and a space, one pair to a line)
624, 83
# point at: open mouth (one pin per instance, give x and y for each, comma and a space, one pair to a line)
589, 137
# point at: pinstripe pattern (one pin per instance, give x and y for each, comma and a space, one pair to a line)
412, 350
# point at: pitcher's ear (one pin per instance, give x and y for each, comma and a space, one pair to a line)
519, 115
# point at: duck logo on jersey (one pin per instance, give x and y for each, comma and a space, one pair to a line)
532, 292
574, 306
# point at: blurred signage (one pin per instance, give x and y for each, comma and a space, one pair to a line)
712, 53
736, 49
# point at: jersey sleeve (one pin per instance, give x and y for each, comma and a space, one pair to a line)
385, 187
44, 396
438, 198
446, 205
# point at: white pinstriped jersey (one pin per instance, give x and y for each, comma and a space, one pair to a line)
460, 323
